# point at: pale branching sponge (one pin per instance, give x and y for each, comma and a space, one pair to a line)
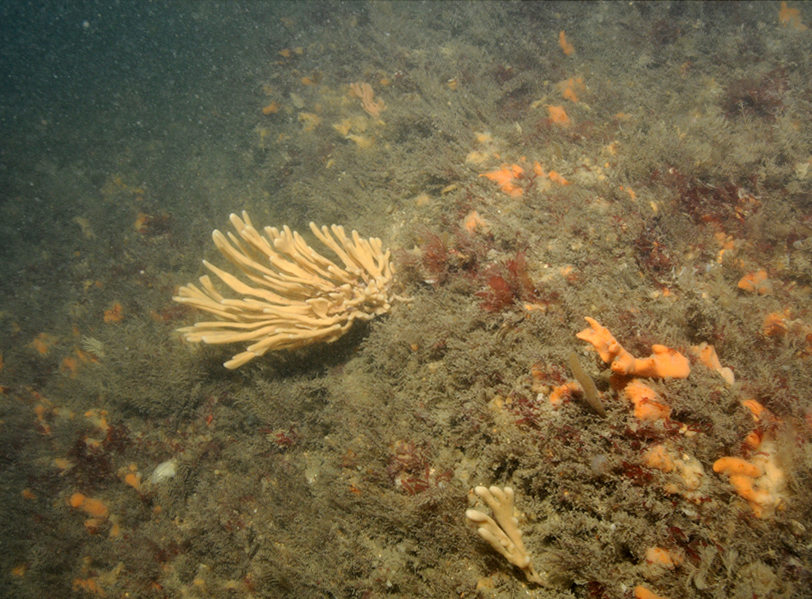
288, 295
502, 531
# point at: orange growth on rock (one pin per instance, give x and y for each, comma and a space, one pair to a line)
707, 355
43, 412
756, 282
657, 457
641, 592
98, 418
557, 178
131, 476
754, 439
271, 108
115, 528
553, 176
62, 463
761, 416
632, 193
601, 339
506, 178
755, 407
92, 507
663, 363
69, 366
662, 557
483, 137
685, 474
565, 391
309, 120
364, 92
114, 313
473, 221
89, 585
570, 88
760, 480
133, 479
566, 47
557, 115
85, 357
152, 225
19, 570
140, 223
730, 465
648, 404
790, 17
746, 488
43, 343
538, 169
775, 325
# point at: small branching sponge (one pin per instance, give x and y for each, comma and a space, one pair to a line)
502, 531
289, 295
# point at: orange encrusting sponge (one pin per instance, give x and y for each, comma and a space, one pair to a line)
663, 363
648, 404
760, 482
92, 507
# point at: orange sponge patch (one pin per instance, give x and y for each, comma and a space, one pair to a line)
657, 457
92, 507
648, 404
506, 177
662, 557
558, 115
707, 355
663, 363
567, 48
601, 339
756, 282
760, 481
641, 592
565, 391
730, 465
